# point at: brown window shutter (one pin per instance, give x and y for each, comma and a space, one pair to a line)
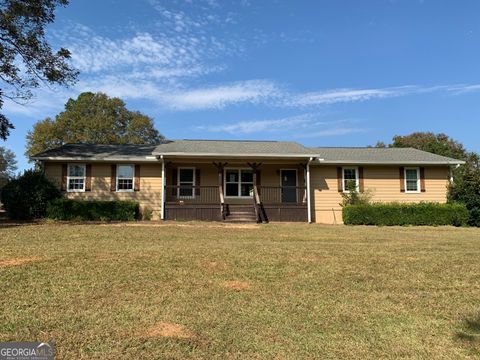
88, 177
63, 186
422, 179
136, 180
361, 185
259, 182
339, 179
174, 181
113, 178
197, 182
402, 179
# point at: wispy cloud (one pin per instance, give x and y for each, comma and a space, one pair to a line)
346, 95
297, 126
256, 126
216, 97
332, 131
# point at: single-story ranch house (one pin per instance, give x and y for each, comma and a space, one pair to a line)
244, 180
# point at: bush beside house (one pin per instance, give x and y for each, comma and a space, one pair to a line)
26, 197
433, 214
466, 190
66, 209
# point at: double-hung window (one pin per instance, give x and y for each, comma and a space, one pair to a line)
238, 183
412, 180
125, 175
76, 178
186, 183
350, 176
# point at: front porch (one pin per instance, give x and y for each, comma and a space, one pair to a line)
238, 191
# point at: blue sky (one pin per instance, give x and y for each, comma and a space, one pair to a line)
324, 73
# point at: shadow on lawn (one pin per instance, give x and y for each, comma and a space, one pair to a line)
470, 332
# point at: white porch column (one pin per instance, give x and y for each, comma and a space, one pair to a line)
162, 212
309, 208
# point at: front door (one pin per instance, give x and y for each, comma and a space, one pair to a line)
289, 186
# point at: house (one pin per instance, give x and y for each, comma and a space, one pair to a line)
245, 180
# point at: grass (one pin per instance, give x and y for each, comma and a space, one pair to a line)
206, 291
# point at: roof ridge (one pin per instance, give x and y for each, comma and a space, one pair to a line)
232, 140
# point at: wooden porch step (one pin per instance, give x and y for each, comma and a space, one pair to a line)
239, 214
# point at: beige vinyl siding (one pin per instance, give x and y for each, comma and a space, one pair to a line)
382, 181
149, 196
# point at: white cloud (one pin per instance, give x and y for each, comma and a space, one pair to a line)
298, 126
334, 131
346, 95
255, 126
250, 91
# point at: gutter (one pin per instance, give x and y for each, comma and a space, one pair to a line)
259, 155
367, 162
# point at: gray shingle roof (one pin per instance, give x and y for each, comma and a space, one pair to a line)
222, 148
344, 155
233, 148
97, 152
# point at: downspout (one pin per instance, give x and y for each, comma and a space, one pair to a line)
451, 168
162, 214
309, 208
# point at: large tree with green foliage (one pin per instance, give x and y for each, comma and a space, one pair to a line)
96, 119
439, 144
26, 58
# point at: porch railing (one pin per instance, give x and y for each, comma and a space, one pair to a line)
193, 194
283, 194
213, 194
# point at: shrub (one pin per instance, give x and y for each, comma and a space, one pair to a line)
66, 209
466, 190
406, 214
354, 197
27, 196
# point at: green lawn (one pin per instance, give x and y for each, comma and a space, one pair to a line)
210, 291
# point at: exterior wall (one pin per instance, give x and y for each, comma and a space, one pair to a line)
382, 181
149, 196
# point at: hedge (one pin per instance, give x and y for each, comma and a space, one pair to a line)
65, 209
406, 214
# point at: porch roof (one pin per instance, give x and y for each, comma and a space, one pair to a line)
233, 148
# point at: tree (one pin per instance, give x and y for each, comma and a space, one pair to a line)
8, 165
466, 190
26, 58
93, 118
27, 196
439, 144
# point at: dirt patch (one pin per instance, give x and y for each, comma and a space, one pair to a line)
18, 261
213, 266
165, 329
236, 285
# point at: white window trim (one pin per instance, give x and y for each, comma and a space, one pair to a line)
193, 182
133, 178
296, 181
239, 169
76, 177
357, 178
405, 180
